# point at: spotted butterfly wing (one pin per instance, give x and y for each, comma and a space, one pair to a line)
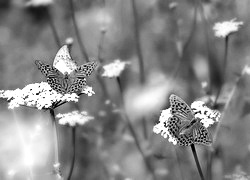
173, 126
79, 75
46, 69
201, 135
76, 85
54, 77
85, 70
180, 108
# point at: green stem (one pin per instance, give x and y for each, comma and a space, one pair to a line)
197, 161
132, 131
78, 36
56, 137
137, 42
100, 46
53, 28
74, 153
224, 68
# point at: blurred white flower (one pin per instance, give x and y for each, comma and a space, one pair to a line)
39, 95
114, 69
161, 127
207, 115
74, 118
69, 41
246, 69
238, 176
143, 101
57, 170
11, 173
223, 29
88, 91
37, 3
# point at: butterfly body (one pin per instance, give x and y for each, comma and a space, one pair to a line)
68, 82
184, 126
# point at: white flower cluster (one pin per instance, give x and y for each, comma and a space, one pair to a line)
74, 118
223, 29
37, 3
114, 69
88, 91
207, 115
161, 127
39, 95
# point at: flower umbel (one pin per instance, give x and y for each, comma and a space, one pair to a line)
114, 69
74, 118
88, 91
162, 128
208, 116
39, 95
223, 29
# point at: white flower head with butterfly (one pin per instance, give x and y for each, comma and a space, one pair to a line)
185, 126
65, 76
37, 95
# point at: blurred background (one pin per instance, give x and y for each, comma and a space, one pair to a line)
180, 55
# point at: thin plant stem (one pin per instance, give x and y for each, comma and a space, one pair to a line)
140, 56
210, 151
78, 36
224, 67
100, 46
53, 28
226, 107
56, 137
197, 161
186, 45
137, 42
132, 131
74, 152
103, 31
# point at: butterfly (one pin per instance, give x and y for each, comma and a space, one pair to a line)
65, 76
184, 126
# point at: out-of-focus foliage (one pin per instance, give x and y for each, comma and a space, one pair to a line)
178, 57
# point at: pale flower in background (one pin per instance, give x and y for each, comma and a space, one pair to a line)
69, 41
88, 91
223, 29
39, 95
74, 118
142, 101
238, 175
246, 69
114, 69
37, 3
11, 173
